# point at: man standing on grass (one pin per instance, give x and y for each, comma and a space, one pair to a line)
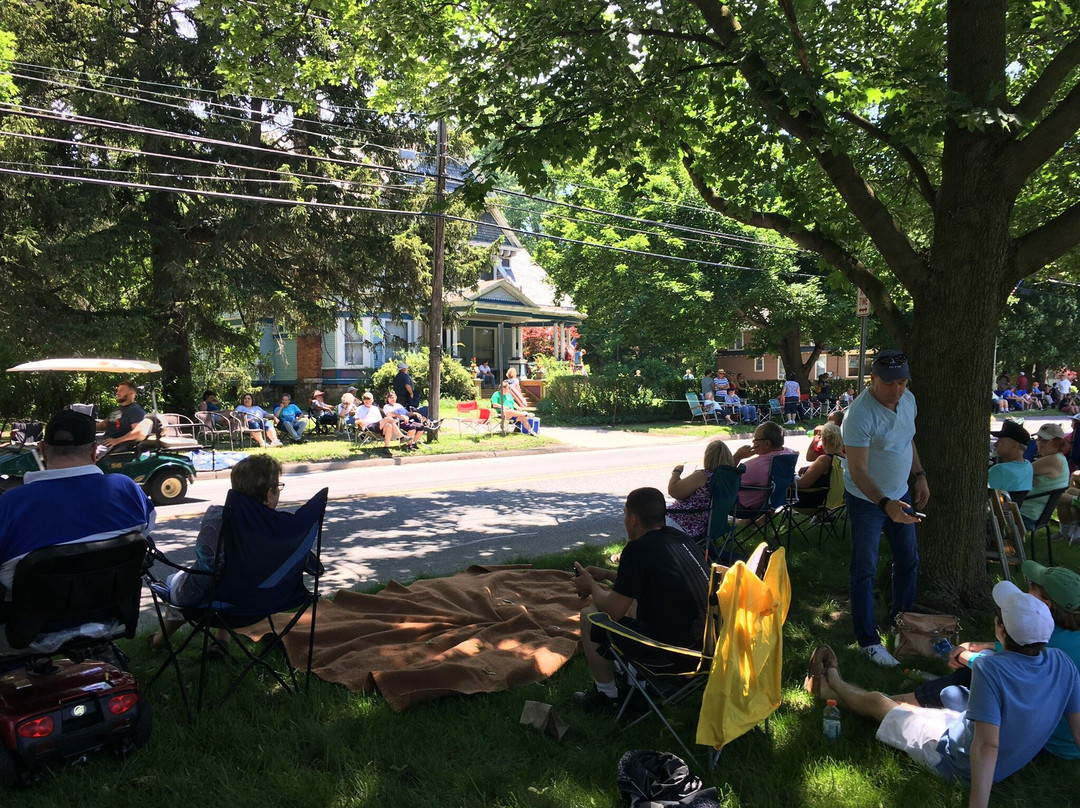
1017, 699
659, 591
879, 437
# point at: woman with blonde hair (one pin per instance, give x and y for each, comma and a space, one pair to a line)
816, 475
693, 492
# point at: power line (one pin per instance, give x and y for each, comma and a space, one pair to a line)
365, 209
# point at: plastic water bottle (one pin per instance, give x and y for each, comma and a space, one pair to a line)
943, 647
830, 723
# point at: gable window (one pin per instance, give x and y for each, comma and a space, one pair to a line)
737, 345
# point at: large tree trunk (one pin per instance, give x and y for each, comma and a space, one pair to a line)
790, 350
168, 259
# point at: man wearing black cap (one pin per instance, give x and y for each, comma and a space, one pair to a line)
72, 500
1012, 472
406, 390
879, 438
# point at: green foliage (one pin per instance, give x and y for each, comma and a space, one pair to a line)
554, 368
612, 399
454, 378
1038, 329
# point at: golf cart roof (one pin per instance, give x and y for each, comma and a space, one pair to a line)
90, 365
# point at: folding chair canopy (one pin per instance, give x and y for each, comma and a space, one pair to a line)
743, 688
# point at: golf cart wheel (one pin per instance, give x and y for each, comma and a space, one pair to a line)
167, 487
8, 772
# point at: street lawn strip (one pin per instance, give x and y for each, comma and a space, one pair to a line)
698, 429
332, 748
322, 448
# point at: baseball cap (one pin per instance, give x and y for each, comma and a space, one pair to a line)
1076, 417
1026, 618
351, 390
1062, 585
70, 428
1011, 429
1050, 431
402, 366
318, 393
890, 365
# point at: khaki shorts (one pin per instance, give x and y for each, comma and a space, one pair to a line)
916, 731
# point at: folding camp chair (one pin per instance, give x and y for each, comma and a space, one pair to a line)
723, 490
663, 675
697, 409
743, 688
830, 517
267, 554
761, 523
1005, 534
776, 410
1050, 500
660, 674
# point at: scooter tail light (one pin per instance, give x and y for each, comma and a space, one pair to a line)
122, 703
36, 727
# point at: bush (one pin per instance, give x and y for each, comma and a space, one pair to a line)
618, 399
455, 381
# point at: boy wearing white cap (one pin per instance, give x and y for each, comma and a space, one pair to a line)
1017, 699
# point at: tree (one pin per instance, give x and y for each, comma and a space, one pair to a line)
153, 265
713, 289
1038, 330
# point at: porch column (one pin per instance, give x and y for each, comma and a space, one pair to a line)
455, 340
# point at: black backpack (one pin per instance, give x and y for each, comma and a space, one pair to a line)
661, 780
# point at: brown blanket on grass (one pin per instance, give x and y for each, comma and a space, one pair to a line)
480, 631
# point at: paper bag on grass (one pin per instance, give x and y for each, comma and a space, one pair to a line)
544, 718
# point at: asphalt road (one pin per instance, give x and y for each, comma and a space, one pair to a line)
400, 521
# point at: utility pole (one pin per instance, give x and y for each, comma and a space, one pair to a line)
435, 315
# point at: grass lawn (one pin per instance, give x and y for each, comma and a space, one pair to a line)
326, 447
332, 748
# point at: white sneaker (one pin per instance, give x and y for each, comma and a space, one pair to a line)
880, 656
788, 422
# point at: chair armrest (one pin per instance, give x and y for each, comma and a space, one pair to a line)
603, 621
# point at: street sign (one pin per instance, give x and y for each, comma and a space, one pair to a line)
862, 305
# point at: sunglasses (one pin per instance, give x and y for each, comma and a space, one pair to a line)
891, 361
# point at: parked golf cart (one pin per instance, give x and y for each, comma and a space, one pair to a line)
158, 463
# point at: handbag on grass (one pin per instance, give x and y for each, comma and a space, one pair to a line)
916, 634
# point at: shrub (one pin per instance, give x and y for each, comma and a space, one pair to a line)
607, 399
455, 381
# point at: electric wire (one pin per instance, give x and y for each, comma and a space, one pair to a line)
366, 209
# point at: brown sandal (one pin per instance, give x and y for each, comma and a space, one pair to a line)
821, 660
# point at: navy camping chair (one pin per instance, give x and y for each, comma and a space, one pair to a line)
763, 523
269, 556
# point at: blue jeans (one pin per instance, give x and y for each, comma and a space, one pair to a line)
294, 429
867, 523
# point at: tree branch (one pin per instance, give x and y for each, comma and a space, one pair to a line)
810, 128
697, 39
849, 265
926, 187
1023, 158
1042, 91
793, 26
1047, 242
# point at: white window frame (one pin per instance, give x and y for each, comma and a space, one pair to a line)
759, 364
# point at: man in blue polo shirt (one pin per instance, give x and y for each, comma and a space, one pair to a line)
879, 439
71, 501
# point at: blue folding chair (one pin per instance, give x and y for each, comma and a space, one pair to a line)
761, 524
268, 556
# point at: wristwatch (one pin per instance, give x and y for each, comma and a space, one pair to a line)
883, 503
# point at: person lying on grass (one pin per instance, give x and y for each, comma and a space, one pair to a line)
1059, 589
1017, 699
